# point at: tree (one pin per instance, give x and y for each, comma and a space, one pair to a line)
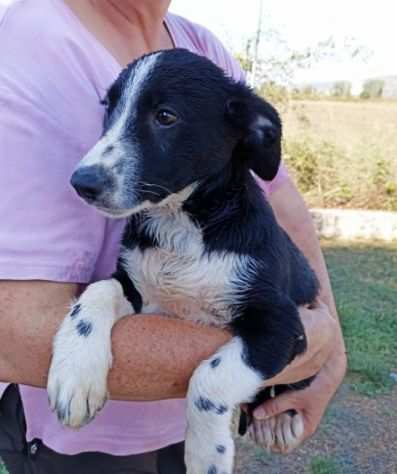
267, 57
342, 89
372, 89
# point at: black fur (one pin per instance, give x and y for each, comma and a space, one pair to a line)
222, 131
75, 311
215, 362
84, 328
203, 404
130, 292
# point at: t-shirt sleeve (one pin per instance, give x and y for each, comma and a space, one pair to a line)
49, 120
213, 48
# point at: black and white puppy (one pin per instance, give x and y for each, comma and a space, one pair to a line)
201, 243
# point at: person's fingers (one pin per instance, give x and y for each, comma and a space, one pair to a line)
280, 434
275, 406
298, 426
262, 432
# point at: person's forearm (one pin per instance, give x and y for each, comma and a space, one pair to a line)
154, 356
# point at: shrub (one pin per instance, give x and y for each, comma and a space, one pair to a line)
328, 177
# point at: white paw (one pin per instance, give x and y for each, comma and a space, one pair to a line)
280, 434
209, 455
77, 380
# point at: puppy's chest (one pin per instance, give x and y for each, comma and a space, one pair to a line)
179, 279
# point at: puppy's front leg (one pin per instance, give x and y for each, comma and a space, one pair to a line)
217, 387
82, 356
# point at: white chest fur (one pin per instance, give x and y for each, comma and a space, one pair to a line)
179, 279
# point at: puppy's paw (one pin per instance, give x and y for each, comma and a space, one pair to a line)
77, 400
77, 380
209, 455
280, 434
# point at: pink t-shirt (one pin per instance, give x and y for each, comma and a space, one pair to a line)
53, 74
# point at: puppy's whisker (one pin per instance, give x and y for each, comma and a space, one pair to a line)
155, 185
152, 192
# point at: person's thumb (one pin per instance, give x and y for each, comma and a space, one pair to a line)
275, 406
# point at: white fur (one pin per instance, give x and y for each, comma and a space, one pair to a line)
77, 381
180, 278
262, 122
122, 150
227, 385
113, 136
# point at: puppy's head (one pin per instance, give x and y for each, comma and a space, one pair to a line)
172, 120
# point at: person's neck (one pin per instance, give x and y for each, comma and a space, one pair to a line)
128, 15
127, 28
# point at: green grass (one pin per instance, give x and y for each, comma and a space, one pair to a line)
323, 465
2, 469
364, 278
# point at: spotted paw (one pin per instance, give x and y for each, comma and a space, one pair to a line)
77, 400
77, 380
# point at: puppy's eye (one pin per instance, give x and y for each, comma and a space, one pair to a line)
166, 118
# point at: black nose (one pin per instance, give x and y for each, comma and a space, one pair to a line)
89, 182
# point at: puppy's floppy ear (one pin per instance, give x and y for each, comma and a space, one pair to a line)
260, 128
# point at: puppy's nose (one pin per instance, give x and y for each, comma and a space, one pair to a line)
89, 182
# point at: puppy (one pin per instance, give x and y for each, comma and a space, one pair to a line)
201, 243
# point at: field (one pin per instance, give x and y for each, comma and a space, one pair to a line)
352, 125
343, 153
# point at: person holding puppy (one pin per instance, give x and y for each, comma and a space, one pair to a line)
57, 60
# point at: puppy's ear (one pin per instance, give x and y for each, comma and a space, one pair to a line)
260, 128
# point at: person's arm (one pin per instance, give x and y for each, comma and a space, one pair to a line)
154, 356
293, 215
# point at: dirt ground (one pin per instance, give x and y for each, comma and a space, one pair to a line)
358, 436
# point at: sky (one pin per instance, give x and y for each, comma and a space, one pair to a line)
304, 23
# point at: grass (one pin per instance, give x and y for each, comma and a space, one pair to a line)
323, 465
364, 278
2, 469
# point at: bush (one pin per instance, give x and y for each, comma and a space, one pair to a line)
274, 93
328, 177
372, 89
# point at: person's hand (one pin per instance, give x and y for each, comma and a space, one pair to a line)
273, 426
322, 332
